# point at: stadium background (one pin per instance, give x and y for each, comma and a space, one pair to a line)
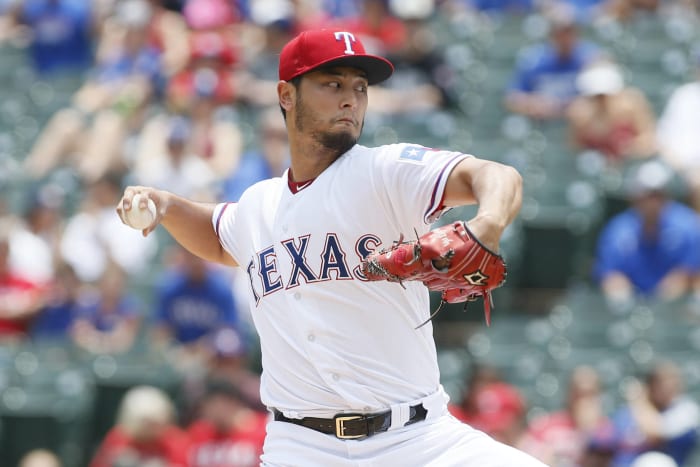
548, 318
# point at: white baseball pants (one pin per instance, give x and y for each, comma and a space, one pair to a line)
440, 441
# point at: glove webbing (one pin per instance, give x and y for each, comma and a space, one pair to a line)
488, 301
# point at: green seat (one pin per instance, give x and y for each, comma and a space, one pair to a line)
554, 248
32, 420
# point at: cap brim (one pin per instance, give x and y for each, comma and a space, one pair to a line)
378, 69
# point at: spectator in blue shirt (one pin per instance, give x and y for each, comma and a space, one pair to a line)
56, 318
545, 75
268, 159
111, 105
61, 33
193, 301
653, 247
499, 7
658, 417
108, 321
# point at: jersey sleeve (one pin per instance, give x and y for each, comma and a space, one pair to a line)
413, 180
224, 223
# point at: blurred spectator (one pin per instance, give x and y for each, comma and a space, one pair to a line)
545, 75
658, 417
210, 14
269, 158
491, 7
652, 248
561, 438
609, 117
55, 319
341, 8
61, 33
168, 34
380, 31
493, 406
201, 93
678, 137
422, 79
94, 236
193, 301
210, 52
108, 321
230, 363
479, 376
228, 432
311, 14
40, 458
628, 10
7, 23
109, 106
20, 299
34, 242
172, 167
145, 433
274, 27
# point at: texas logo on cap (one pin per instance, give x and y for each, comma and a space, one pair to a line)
313, 49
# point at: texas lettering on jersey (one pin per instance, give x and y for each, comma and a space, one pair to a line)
263, 268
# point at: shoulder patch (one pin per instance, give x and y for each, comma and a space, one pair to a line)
414, 154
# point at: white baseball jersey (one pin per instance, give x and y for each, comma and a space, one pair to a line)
331, 340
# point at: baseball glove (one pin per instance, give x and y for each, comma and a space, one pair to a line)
449, 259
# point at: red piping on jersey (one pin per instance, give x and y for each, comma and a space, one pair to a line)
218, 219
441, 204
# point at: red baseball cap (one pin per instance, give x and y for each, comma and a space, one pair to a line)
315, 48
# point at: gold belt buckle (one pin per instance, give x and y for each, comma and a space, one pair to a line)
340, 426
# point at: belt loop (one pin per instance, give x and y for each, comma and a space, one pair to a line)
400, 414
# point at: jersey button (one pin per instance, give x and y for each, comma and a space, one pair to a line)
297, 296
284, 228
311, 337
336, 376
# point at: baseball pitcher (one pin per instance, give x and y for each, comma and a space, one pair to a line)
338, 253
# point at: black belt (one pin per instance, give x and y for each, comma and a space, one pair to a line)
353, 426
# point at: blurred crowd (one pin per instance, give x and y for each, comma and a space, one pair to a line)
180, 95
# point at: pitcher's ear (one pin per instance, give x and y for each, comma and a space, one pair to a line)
286, 93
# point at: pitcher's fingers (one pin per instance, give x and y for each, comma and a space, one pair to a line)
120, 213
129, 194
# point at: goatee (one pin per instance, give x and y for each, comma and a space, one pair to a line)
339, 143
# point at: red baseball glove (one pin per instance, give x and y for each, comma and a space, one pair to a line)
449, 259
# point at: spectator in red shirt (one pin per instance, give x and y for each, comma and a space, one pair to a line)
492, 406
145, 433
20, 299
377, 26
228, 433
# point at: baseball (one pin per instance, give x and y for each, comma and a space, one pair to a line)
139, 218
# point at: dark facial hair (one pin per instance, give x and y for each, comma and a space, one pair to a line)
336, 142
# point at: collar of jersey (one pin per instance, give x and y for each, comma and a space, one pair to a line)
296, 187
